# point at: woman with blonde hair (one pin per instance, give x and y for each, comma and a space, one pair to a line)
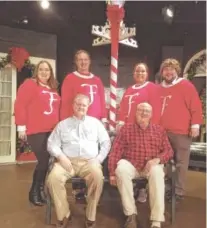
36, 114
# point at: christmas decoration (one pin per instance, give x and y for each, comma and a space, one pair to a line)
195, 64
18, 57
23, 147
198, 68
114, 32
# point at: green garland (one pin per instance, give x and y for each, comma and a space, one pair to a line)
192, 70
191, 73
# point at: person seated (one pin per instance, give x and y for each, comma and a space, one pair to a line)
140, 150
80, 144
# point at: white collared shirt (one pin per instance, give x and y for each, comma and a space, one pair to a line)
80, 138
174, 82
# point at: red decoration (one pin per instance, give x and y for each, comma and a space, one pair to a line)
18, 57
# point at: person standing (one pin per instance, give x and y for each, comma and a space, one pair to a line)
141, 91
36, 112
84, 82
181, 116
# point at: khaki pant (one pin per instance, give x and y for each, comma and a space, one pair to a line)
91, 172
125, 172
181, 147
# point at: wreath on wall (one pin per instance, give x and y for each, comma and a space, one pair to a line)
192, 72
18, 57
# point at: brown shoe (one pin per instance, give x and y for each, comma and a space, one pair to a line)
64, 223
89, 224
131, 221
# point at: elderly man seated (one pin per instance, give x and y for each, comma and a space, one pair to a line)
80, 144
140, 150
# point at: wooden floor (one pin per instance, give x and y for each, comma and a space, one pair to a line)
16, 212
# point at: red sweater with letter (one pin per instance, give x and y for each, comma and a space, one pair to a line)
181, 106
89, 85
36, 108
134, 95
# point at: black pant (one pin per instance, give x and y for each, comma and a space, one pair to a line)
38, 143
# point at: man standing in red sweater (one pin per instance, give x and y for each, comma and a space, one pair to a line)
84, 82
181, 116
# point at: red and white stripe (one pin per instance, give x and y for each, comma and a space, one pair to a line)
113, 95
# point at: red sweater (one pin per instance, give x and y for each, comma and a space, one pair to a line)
181, 107
36, 107
134, 95
90, 85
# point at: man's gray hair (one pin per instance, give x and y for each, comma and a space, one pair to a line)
81, 96
145, 104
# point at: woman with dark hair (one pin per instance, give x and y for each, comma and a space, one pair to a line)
141, 91
36, 114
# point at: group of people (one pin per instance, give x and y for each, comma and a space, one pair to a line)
155, 123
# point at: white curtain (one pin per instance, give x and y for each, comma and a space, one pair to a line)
5, 111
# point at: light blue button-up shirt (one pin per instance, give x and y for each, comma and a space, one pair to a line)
86, 138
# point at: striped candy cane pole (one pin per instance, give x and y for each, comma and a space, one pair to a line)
113, 89
115, 14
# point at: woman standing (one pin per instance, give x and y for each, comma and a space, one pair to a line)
36, 114
141, 91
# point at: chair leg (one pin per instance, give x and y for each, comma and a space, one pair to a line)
173, 204
48, 208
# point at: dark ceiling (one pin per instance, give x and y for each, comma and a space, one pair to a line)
81, 15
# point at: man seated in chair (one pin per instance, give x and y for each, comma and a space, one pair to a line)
140, 150
75, 144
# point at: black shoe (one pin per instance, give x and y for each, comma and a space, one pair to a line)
43, 195
34, 193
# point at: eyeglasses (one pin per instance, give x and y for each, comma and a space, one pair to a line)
144, 111
81, 105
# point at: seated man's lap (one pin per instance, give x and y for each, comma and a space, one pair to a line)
93, 170
59, 174
125, 167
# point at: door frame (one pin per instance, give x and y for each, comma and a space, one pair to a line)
12, 157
